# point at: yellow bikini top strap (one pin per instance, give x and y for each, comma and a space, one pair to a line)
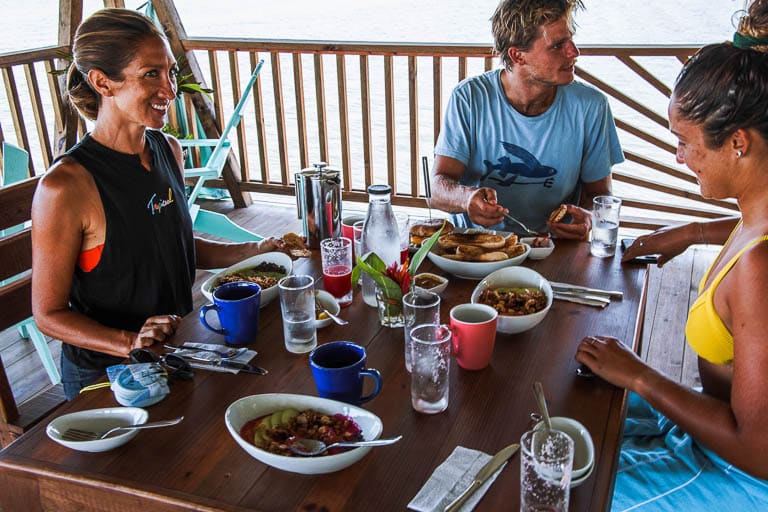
732, 262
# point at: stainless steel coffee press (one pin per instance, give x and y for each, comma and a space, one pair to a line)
318, 202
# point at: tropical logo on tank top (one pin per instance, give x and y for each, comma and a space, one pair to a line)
522, 168
156, 204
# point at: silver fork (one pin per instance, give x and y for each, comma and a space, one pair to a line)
76, 434
525, 228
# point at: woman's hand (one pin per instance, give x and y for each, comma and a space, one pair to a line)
611, 360
578, 229
272, 244
156, 329
667, 242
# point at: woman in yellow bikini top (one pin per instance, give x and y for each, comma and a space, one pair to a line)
717, 112
704, 330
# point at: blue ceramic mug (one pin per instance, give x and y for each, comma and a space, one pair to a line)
237, 306
339, 368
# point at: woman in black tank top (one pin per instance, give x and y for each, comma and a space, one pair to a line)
119, 191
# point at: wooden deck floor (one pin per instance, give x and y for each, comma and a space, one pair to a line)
671, 290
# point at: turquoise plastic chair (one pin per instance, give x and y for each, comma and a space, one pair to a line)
206, 221
16, 168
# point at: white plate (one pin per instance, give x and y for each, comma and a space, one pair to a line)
268, 294
538, 253
578, 481
330, 303
475, 269
97, 420
255, 406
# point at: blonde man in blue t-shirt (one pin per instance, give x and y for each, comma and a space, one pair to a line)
525, 139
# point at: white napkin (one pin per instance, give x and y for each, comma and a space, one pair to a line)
451, 478
200, 358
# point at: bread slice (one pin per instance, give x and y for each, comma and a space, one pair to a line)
514, 250
485, 240
493, 256
296, 246
558, 213
470, 252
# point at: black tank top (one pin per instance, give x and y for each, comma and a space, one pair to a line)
147, 266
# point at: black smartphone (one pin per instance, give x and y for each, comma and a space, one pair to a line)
648, 258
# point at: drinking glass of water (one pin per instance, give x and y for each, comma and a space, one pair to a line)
297, 301
430, 367
605, 226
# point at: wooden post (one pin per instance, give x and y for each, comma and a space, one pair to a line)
169, 17
70, 16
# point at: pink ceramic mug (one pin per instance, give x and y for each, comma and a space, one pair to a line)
347, 231
474, 334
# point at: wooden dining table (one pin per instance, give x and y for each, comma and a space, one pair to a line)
197, 465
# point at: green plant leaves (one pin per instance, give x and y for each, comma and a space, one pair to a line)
426, 246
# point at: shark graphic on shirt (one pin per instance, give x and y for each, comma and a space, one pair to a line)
508, 171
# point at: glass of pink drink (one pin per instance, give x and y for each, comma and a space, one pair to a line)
336, 255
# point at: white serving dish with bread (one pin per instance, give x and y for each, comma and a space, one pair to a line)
473, 254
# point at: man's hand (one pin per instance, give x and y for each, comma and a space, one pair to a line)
483, 209
580, 227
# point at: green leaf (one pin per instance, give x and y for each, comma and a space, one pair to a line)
426, 246
372, 265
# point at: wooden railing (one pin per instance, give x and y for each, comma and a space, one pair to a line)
373, 110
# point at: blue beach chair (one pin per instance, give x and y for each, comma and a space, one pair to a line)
206, 221
16, 169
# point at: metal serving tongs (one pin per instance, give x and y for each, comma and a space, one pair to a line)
427, 186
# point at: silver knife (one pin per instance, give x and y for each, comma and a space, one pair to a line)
576, 288
484, 474
586, 300
583, 295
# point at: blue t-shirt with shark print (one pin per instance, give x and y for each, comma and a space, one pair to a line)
534, 163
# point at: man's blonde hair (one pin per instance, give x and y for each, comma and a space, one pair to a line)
516, 22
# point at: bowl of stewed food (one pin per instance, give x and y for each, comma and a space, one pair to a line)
522, 297
263, 269
266, 425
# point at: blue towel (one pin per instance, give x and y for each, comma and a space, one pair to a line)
661, 468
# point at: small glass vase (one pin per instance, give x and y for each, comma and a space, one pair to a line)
390, 310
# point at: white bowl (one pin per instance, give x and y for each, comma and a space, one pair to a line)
474, 269
538, 253
438, 289
267, 294
583, 447
98, 420
517, 277
330, 303
255, 406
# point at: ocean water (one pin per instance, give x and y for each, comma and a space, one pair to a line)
34, 23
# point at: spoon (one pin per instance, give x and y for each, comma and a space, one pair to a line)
312, 447
538, 392
319, 307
